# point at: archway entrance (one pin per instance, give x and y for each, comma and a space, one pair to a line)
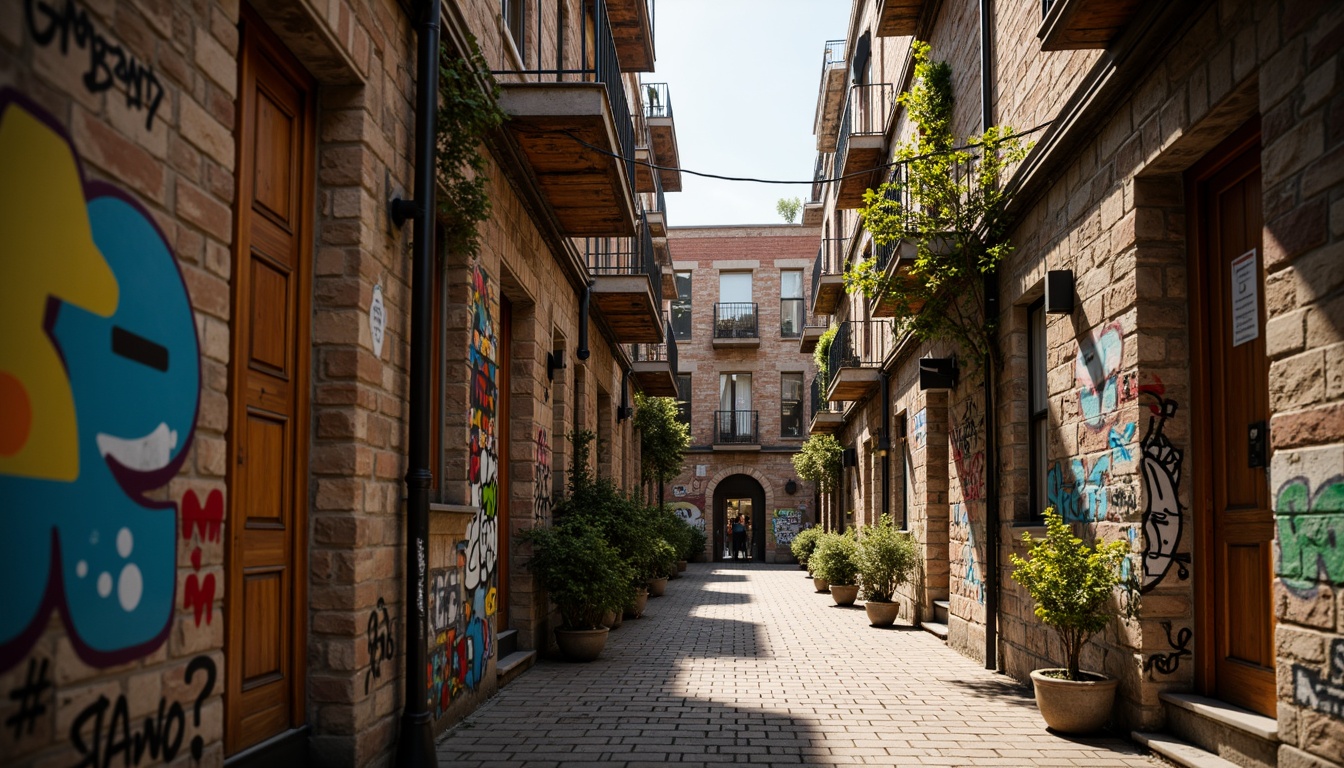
739, 494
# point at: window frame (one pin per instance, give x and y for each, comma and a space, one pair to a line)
802, 417
684, 404
683, 302
1038, 419
802, 309
512, 11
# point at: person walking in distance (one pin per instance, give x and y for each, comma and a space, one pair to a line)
739, 537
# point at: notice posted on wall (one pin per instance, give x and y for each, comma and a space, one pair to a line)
1245, 298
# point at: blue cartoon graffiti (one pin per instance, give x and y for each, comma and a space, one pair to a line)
101, 378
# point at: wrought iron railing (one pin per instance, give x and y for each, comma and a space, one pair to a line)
866, 111
830, 261
657, 100
735, 427
791, 317
818, 175
834, 56
627, 256
859, 344
819, 402
961, 176
735, 320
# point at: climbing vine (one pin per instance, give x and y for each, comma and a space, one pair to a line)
468, 110
821, 356
947, 201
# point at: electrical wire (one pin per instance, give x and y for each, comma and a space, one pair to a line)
830, 180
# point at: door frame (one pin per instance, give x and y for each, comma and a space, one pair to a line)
1201, 432
253, 28
739, 486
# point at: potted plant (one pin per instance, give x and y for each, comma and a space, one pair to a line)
803, 545
886, 559
585, 578
664, 561
695, 545
837, 561
1072, 584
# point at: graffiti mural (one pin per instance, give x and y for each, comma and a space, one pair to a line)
101, 380
1322, 692
382, 646
971, 576
1077, 491
1167, 663
542, 490
786, 524
1102, 389
1311, 532
921, 428
968, 450
688, 512
204, 521
461, 638
1163, 516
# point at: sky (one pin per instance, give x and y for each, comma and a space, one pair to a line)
743, 77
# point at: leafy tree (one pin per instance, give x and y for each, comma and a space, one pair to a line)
949, 202
818, 461
788, 208
468, 111
1071, 583
663, 440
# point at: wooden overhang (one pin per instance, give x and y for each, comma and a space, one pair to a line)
848, 383
663, 136
626, 305
737, 342
813, 211
644, 179
830, 105
811, 335
827, 297
657, 223
897, 271
669, 282
826, 422
1084, 24
656, 378
632, 30
864, 153
587, 189
898, 17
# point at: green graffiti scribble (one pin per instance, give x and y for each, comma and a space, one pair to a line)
1311, 532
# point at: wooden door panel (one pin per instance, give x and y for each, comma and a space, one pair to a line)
275, 138
263, 651
263, 474
271, 308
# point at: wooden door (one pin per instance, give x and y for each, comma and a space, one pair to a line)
268, 436
1238, 526
504, 437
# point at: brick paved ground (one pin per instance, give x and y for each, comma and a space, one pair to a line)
749, 665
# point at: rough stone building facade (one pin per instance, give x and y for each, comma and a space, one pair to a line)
1185, 175
206, 373
738, 318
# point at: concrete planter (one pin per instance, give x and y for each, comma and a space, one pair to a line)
1070, 706
844, 594
882, 614
657, 587
637, 610
581, 644
821, 584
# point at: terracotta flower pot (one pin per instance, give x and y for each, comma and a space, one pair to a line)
609, 619
657, 587
881, 614
821, 584
641, 600
681, 566
844, 594
1070, 706
581, 644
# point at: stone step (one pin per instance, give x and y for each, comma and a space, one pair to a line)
938, 629
513, 665
1245, 738
1181, 752
940, 611
506, 642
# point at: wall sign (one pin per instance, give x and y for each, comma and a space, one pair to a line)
1245, 298
377, 321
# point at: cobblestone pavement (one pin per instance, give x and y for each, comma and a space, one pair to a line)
747, 664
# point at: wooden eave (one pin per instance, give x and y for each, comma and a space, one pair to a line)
644, 182
657, 223
1085, 24
811, 335
826, 422
669, 282
830, 102
632, 30
663, 137
898, 269
813, 212
829, 290
625, 303
656, 378
898, 17
864, 153
587, 189
849, 384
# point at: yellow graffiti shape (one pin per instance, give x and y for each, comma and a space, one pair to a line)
48, 252
491, 600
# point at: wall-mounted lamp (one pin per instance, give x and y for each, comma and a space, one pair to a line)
883, 446
850, 458
555, 361
937, 373
1059, 293
790, 487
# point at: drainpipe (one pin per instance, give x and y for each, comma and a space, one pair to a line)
582, 352
991, 311
884, 442
415, 743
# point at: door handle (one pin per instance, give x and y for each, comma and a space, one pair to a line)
1257, 435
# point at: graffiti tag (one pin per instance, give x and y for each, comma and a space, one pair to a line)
1311, 532
382, 647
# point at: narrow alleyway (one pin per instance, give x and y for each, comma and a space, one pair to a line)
749, 665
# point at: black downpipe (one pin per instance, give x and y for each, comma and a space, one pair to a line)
415, 743
884, 442
582, 352
991, 311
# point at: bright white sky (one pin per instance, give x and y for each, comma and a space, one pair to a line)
743, 76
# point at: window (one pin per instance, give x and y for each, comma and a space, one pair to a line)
791, 405
684, 398
514, 20
681, 306
1038, 408
735, 422
791, 303
735, 313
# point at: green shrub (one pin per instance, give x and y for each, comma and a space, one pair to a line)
665, 558
887, 557
836, 559
583, 574
1071, 583
805, 543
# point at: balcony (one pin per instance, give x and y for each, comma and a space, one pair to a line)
898, 17
662, 134
655, 367
828, 282
855, 360
657, 219
735, 325
632, 29
627, 287
736, 430
811, 335
827, 417
572, 128
1082, 24
831, 96
815, 207
862, 144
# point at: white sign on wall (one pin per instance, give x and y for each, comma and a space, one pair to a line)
377, 321
700, 469
1245, 298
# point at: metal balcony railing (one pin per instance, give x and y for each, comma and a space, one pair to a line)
657, 353
829, 261
627, 256
657, 100
899, 195
597, 63
735, 427
791, 317
735, 320
819, 402
834, 55
859, 344
818, 174
866, 111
